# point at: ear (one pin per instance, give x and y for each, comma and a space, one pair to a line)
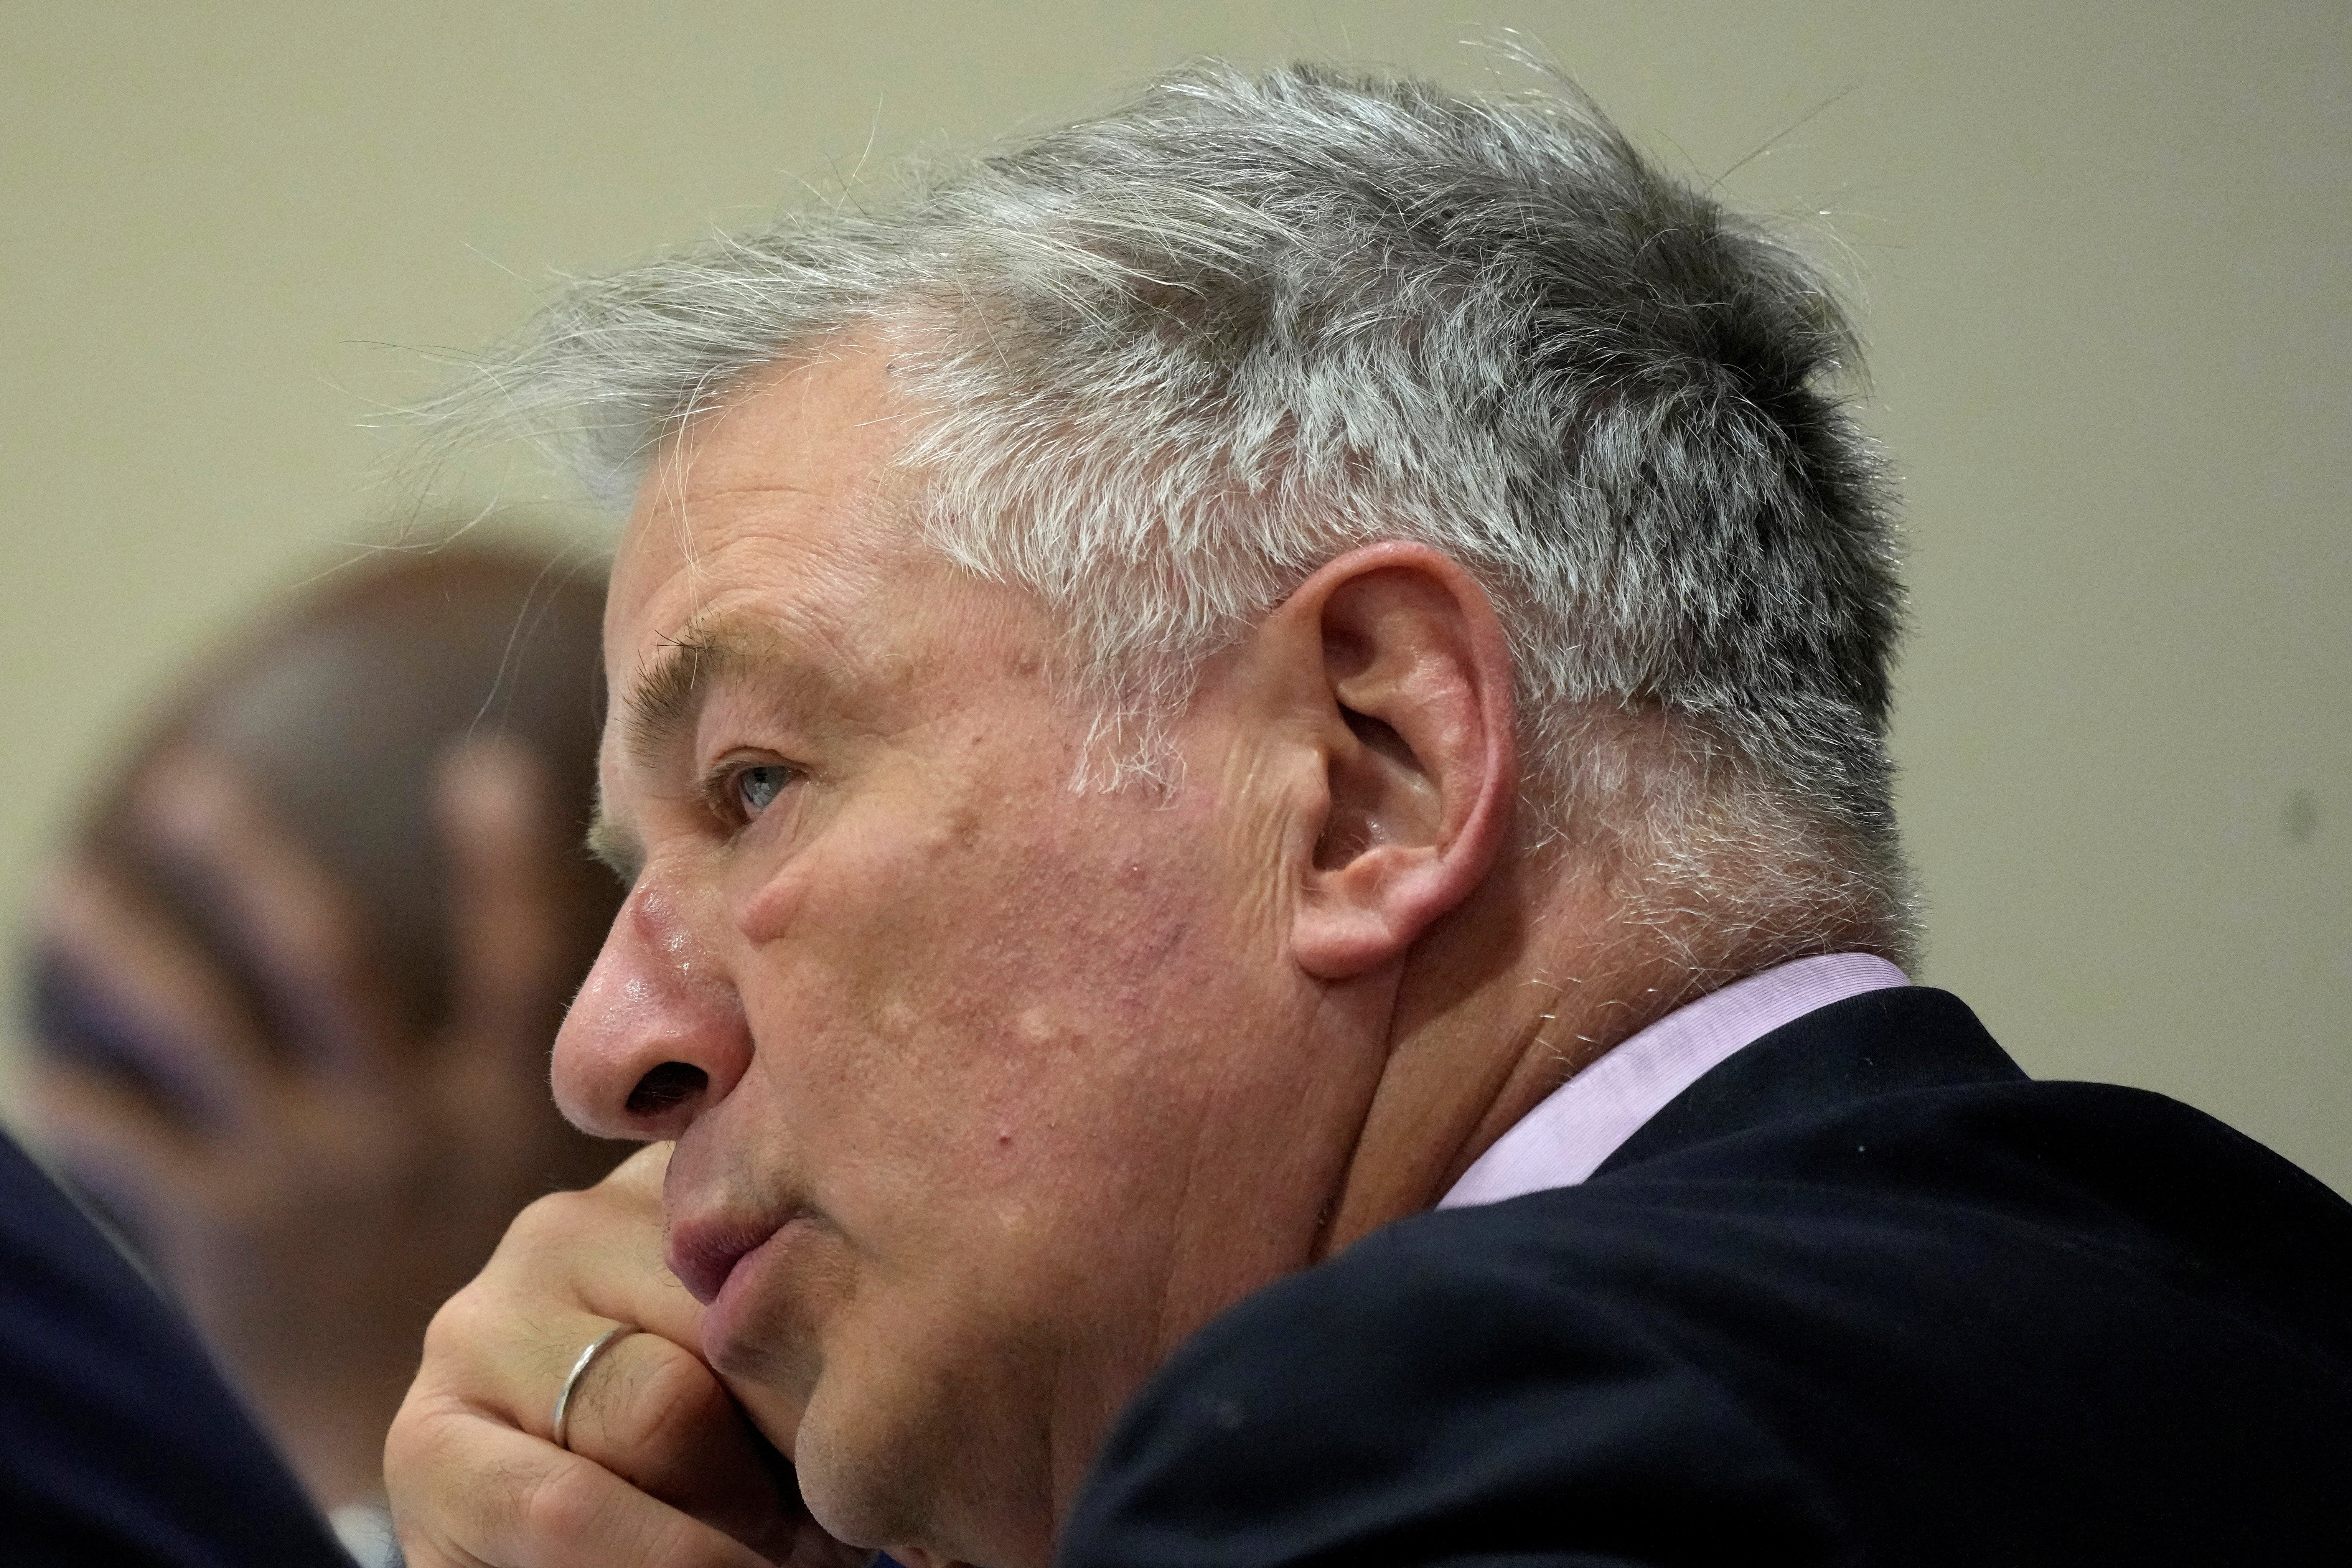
1399, 681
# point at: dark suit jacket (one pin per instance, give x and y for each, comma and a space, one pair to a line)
120, 1444
1862, 1294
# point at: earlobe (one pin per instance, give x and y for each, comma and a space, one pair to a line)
1411, 695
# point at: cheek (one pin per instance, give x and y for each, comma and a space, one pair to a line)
964, 911
984, 985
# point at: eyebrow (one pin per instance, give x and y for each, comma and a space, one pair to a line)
660, 710
662, 706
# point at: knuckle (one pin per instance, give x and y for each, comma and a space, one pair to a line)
570, 1507
419, 1446
659, 1399
432, 1470
551, 1219
464, 1320
476, 1351
562, 1503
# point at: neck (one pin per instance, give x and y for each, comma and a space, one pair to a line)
1498, 1007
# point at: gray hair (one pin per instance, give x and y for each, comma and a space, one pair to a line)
1161, 364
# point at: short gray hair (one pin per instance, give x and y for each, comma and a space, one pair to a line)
1163, 365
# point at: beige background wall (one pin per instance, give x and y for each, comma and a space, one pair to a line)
2102, 251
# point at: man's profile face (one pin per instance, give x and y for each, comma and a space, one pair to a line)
1006, 1086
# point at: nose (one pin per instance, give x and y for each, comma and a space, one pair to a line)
657, 1035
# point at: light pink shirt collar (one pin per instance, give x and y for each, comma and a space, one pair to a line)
1583, 1121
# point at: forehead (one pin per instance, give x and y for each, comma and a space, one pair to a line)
772, 533
771, 508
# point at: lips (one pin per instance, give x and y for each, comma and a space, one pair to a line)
703, 1253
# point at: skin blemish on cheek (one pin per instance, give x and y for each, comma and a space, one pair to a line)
774, 909
1035, 1027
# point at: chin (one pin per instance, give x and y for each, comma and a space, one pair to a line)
853, 1496
871, 1489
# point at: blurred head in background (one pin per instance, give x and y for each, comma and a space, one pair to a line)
314, 1117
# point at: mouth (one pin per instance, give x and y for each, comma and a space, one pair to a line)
703, 1254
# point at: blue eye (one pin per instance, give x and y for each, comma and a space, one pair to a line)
757, 786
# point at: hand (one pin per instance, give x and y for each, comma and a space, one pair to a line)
663, 1468
313, 1185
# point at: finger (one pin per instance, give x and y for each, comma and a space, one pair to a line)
570, 1266
468, 1491
498, 820
164, 1005
648, 1407
600, 1251
496, 1353
113, 1141
305, 934
654, 1414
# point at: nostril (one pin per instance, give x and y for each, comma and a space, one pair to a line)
665, 1088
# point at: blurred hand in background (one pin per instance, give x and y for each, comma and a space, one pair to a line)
296, 982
